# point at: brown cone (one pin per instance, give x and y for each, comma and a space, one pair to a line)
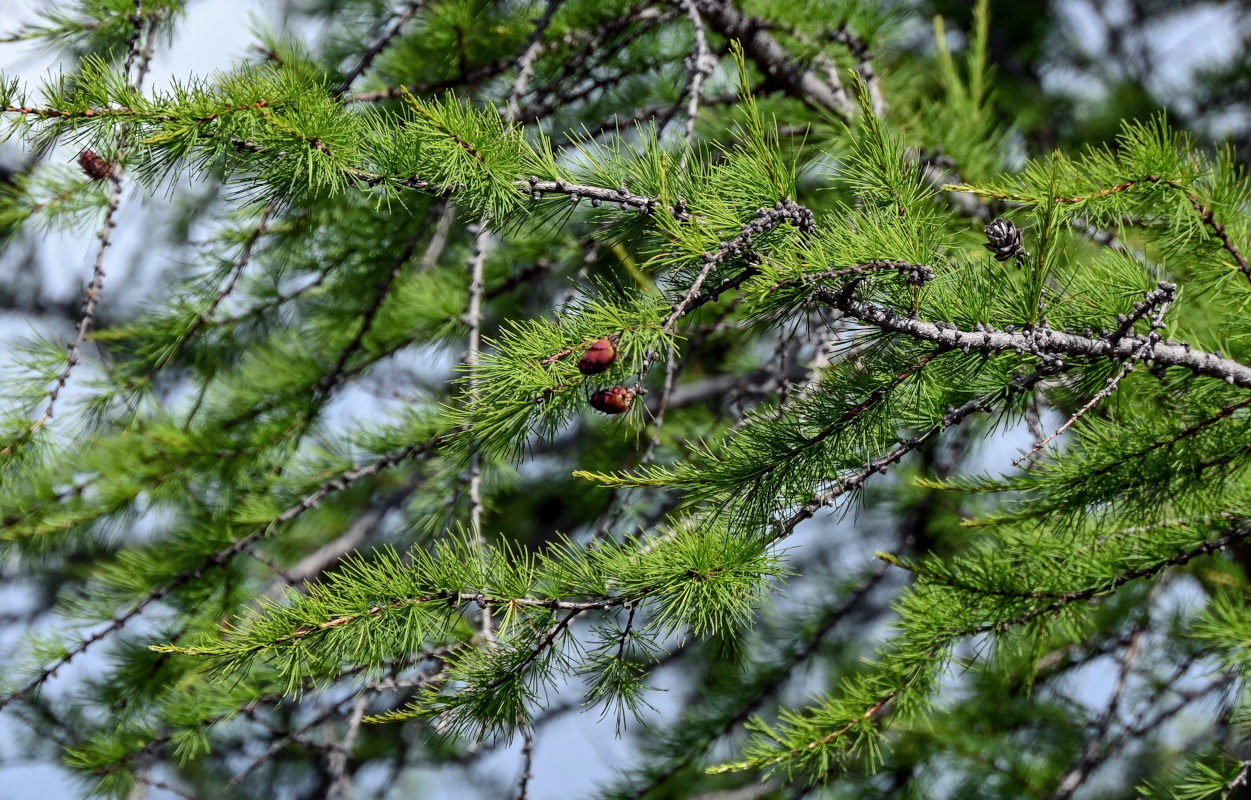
96, 167
598, 357
616, 400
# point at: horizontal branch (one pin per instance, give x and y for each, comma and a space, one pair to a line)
220, 558
778, 66
1068, 598
620, 196
849, 483
1206, 214
1042, 341
876, 709
132, 113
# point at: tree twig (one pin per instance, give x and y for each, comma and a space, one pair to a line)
1161, 297
380, 44
1042, 341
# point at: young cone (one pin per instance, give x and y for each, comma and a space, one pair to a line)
96, 167
599, 356
616, 400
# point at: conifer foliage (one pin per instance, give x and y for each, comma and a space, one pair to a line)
514, 361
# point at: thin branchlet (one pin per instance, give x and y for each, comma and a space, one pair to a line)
1159, 299
381, 42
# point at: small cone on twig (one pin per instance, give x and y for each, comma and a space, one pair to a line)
599, 356
96, 167
616, 400
1003, 238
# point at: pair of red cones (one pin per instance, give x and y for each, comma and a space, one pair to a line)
598, 358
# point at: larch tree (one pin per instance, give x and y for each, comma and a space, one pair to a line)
659, 365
